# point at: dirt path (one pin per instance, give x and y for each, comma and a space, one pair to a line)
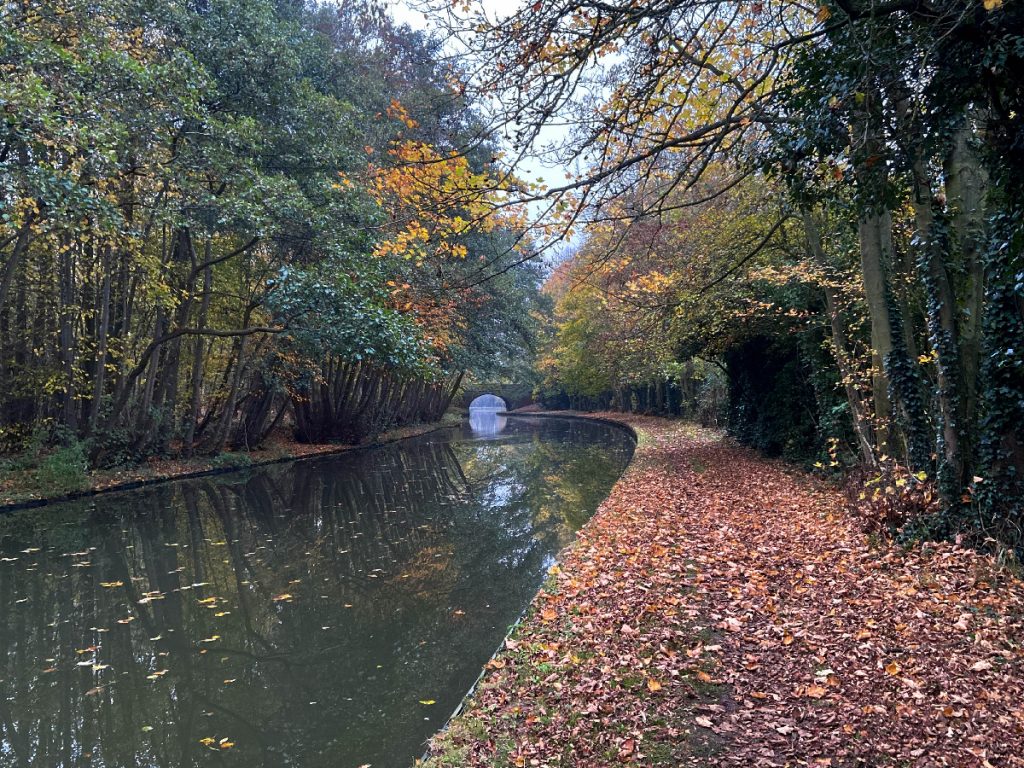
721, 609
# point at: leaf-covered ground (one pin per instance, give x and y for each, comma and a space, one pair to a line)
722, 609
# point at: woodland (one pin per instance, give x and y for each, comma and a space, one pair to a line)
779, 243
217, 213
802, 222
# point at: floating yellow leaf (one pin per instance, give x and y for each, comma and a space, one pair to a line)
428, 702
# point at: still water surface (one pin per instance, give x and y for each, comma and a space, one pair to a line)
328, 612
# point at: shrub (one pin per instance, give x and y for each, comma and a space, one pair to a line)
64, 471
231, 460
891, 498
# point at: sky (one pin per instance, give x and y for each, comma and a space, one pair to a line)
403, 11
530, 168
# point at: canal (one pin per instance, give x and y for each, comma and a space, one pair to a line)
324, 612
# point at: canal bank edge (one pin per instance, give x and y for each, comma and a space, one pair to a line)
393, 436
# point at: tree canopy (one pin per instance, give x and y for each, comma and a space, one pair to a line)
210, 208
822, 199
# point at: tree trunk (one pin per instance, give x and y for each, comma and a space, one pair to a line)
198, 351
860, 421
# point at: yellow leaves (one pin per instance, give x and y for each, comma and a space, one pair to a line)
548, 614
283, 598
892, 668
427, 702
992, 5
653, 685
212, 743
397, 111
815, 691
433, 199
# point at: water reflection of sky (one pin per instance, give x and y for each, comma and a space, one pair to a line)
487, 421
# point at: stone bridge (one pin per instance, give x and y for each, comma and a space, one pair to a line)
514, 395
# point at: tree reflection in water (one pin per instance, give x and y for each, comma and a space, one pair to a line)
299, 614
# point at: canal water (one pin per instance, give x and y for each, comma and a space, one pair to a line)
326, 612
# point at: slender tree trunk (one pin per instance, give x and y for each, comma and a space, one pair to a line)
103, 330
66, 268
840, 348
966, 188
873, 271
933, 245
198, 350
